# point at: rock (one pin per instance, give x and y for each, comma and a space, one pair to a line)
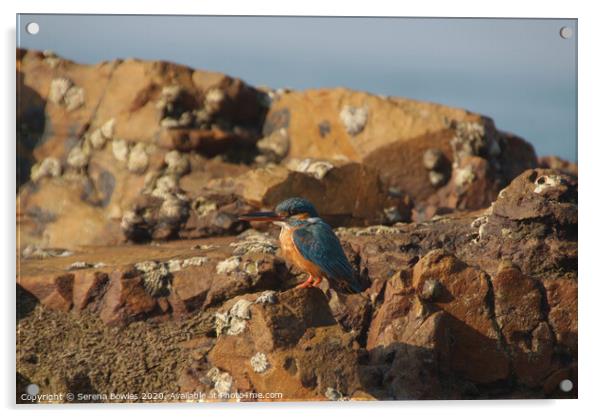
354, 119
404, 344
129, 236
442, 316
433, 159
118, 101
392, 136
535, 231
476, 353
177, 163
121, 150
54, 291
518, 304
72, 93
473, 186
88, 288
557, 163
58, 213
49, 167
327, 186
561, 296
169, 282
259, 363
273, 147
290, 335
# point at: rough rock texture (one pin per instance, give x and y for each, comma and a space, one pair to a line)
125, 284
454, 308
105, 137
294, 334
393, 134
135, 274
550, 161
137, 130
148, 160
329, 190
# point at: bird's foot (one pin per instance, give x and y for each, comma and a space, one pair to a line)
316, 282
305, 284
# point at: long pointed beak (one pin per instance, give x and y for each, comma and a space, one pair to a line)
260, 216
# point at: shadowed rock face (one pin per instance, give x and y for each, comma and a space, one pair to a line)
132, 253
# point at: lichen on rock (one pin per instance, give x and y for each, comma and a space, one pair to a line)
156, 277
544, 182
78, 157
235, 320
260, 363
274, 147
221, 382
254, 242
138, 159
33, 252
79, 265
49, 167
268, 297
333, 395
228, 265
177, 265
120, 150
316, 168
177, 163
354, 119
58, 89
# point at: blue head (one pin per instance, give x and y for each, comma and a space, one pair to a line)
297, 208
290, 210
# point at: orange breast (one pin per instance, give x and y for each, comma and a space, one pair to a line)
292, 254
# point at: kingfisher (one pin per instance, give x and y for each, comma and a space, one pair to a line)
310, 244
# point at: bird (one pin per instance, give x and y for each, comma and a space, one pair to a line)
310, 244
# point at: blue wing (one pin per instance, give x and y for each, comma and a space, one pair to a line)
317, 242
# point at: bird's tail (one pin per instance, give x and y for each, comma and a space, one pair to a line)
351, 285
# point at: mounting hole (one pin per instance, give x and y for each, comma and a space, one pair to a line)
566, 32
32, 389
566, 385
32, 28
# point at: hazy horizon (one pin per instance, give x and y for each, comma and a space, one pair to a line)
518, 71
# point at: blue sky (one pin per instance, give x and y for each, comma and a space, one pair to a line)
518, 71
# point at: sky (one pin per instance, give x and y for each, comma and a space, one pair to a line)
520, 72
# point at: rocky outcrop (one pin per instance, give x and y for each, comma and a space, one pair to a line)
138, 151
283, 346
456, 158
454, 308
136, 274
557, 163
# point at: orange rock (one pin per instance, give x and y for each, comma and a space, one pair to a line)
56, 213
518, 303
88, 287
328, 186
282, 346
64, 125
54, 291
562, 299
463, 293
392, 135
126, 299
